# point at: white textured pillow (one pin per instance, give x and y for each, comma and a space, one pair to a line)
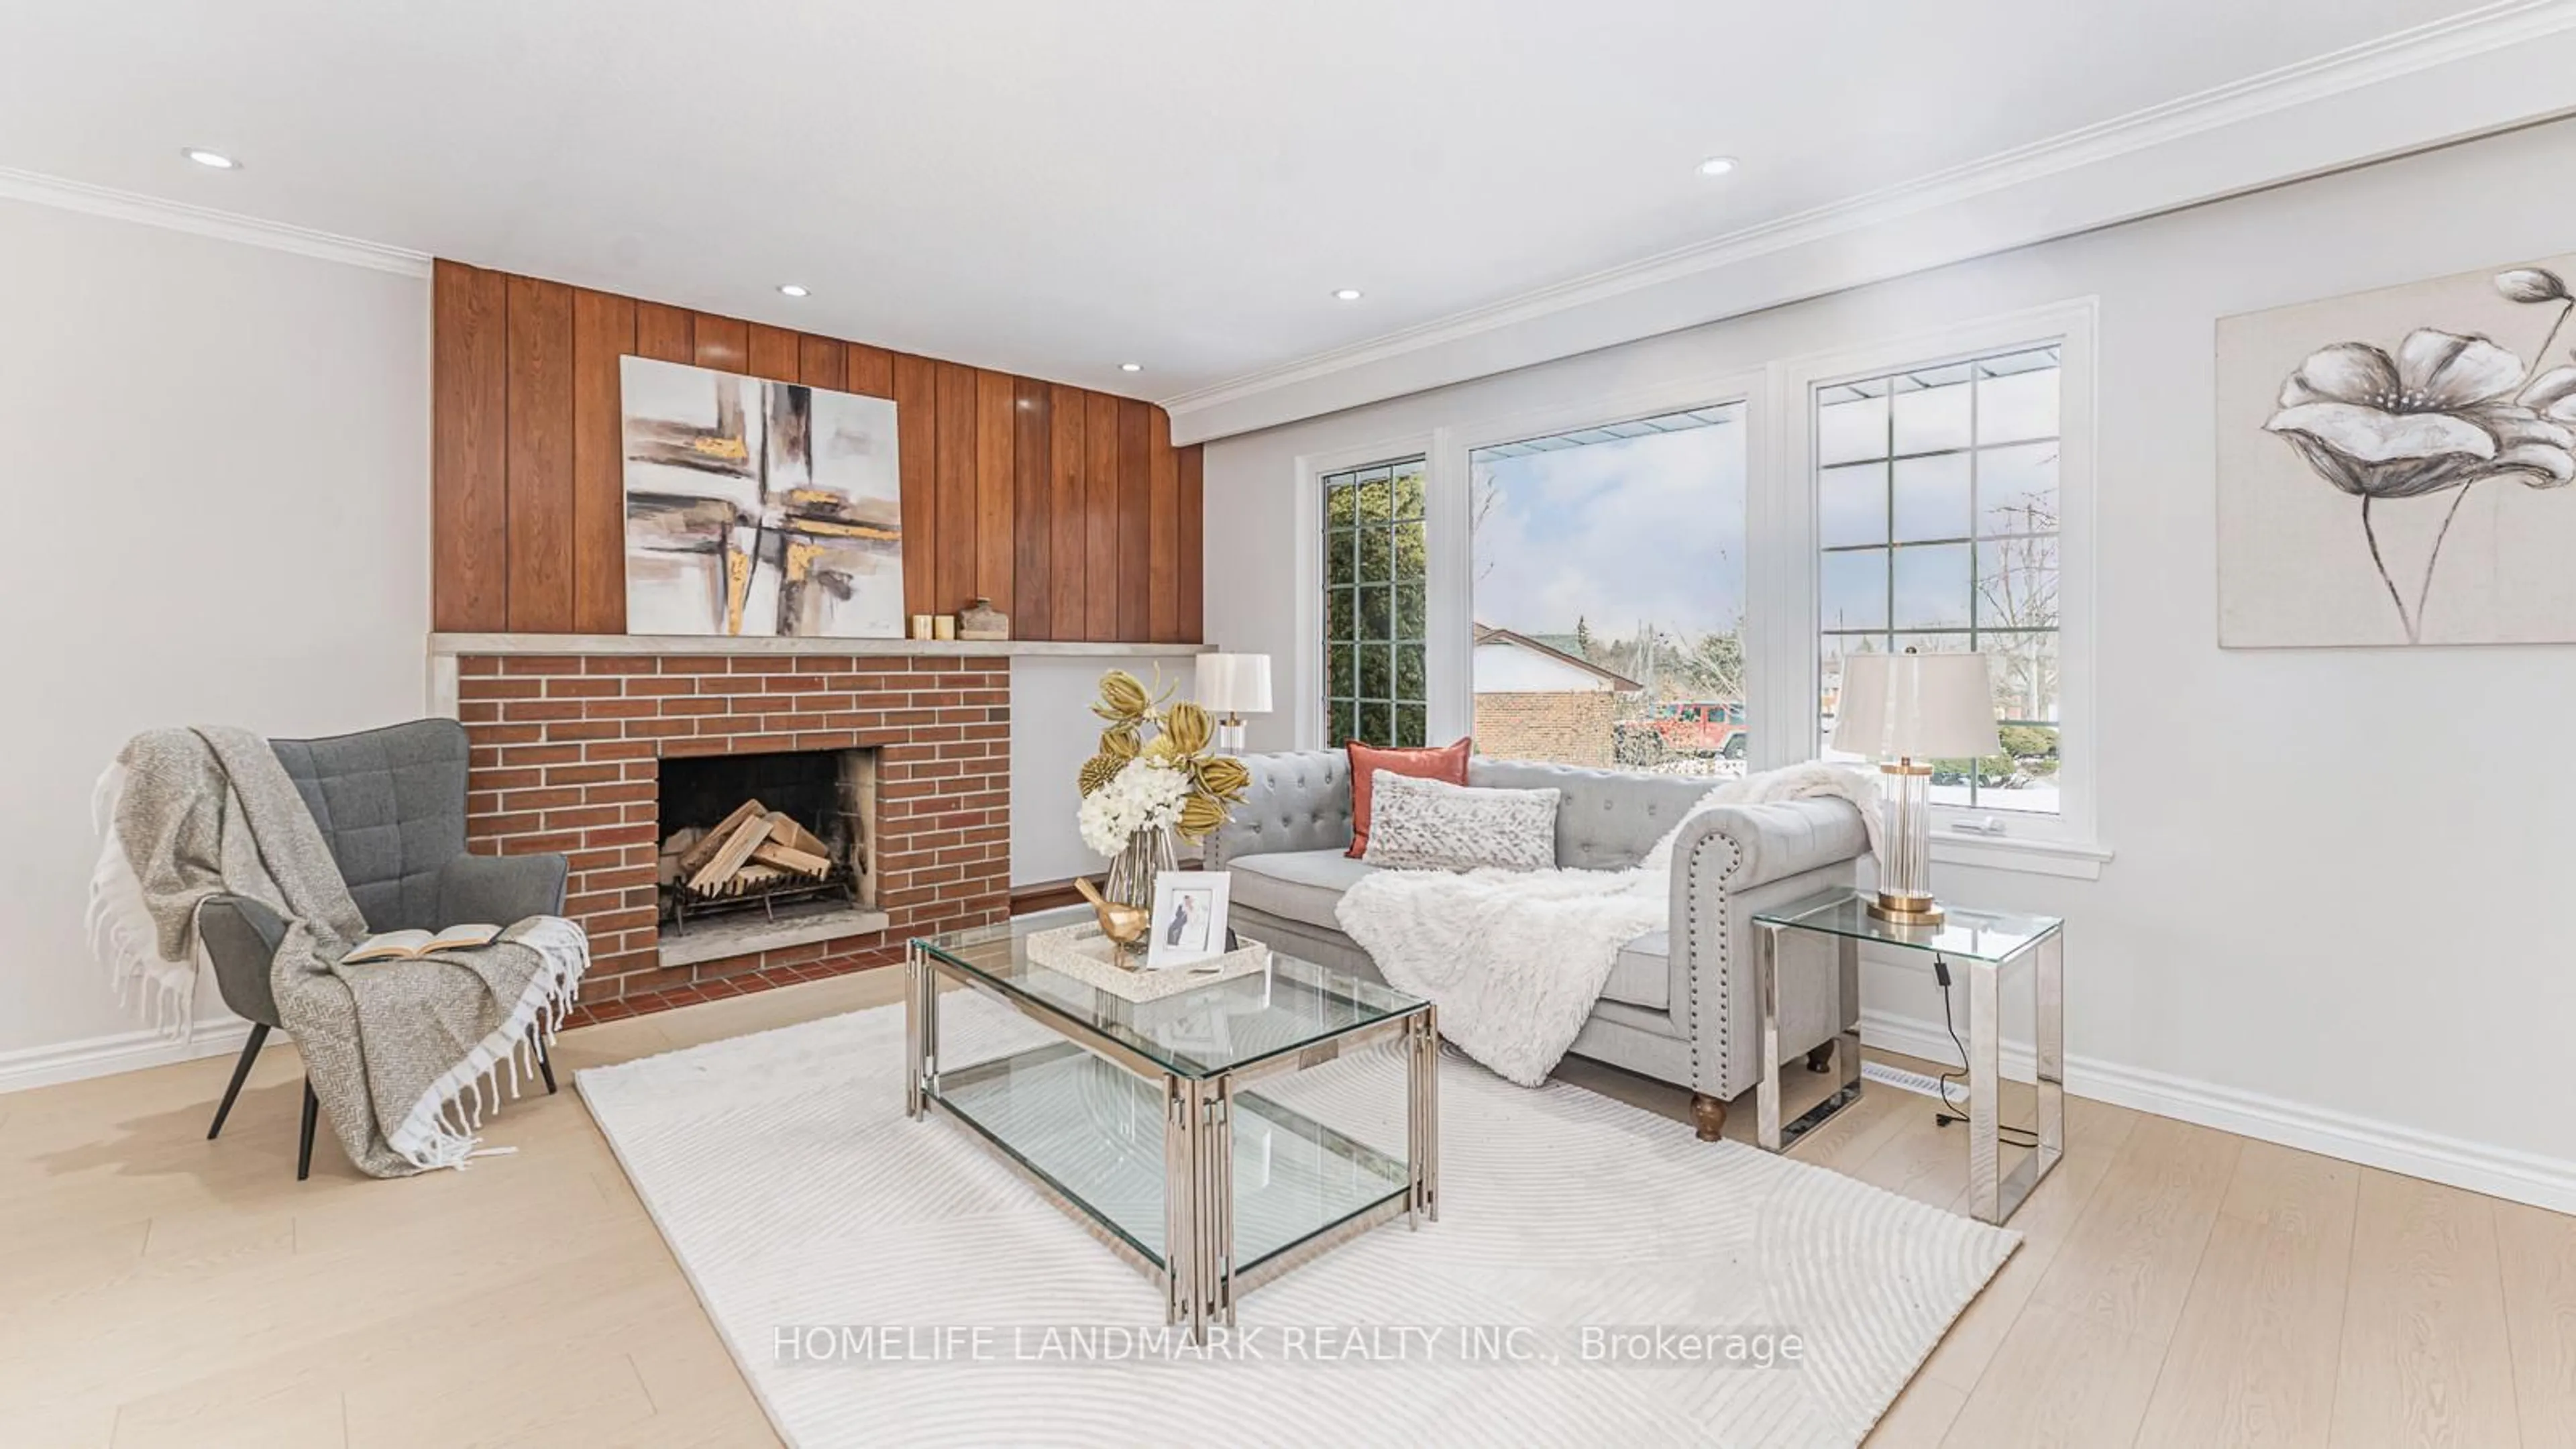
1417, 824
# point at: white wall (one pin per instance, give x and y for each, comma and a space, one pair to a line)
216, 462
1052, 732
2335, 912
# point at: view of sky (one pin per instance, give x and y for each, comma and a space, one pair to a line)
1647, 528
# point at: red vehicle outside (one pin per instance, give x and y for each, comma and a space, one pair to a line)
1704, 729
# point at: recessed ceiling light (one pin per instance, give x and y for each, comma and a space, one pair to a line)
1131, 367
790, 289
1717, 166
212, 160
1348, 294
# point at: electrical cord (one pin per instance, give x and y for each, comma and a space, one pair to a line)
2008, 1136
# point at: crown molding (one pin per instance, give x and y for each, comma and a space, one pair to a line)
80, 196
2468, 36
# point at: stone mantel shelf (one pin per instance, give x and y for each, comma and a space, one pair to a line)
448, 646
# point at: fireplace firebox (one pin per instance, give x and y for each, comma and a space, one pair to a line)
778, 835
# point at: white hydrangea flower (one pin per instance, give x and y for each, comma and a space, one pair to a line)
1140, 796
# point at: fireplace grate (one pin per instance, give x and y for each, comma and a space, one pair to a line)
682, 904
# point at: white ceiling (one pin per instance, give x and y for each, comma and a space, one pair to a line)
1052, 187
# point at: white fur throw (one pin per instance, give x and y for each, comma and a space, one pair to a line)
1515, 960
1417, 824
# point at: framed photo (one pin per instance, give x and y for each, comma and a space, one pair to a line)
1189, 918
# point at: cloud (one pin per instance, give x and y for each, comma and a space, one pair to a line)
1649, 528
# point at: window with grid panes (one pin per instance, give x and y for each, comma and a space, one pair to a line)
1937, 515
1375, 561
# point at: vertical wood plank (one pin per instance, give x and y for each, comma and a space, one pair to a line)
996, 487
1163, 529
871, 371
1032, 511
822, 362
603, 332
956, 460
723, 343
540, 461
668, 334
914, 384
773, 352
1065, 511
1100, 517
1193, 627
469, 450
1135, 504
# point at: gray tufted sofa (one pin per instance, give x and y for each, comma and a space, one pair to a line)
1680, 1004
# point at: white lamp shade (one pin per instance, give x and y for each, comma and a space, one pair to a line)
1917, 707
1234, 683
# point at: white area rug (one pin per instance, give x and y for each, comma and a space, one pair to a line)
796, 1196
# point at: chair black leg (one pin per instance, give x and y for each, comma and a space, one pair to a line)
304, 1153
241, 1073
545, 1063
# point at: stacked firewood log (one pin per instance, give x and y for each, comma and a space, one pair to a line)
751, 849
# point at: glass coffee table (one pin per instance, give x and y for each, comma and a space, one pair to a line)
1139, 1119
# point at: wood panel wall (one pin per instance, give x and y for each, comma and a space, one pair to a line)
1069, 509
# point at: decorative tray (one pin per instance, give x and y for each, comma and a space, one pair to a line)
1084, 954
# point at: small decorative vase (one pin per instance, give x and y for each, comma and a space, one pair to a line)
1148, 853
980, 620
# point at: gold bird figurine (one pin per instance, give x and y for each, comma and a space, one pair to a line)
1123, 925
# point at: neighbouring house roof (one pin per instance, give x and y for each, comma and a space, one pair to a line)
1617, 683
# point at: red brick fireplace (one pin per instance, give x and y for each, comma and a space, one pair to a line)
568, 750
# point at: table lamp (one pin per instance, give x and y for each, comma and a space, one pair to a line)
1231, 686
1905, 710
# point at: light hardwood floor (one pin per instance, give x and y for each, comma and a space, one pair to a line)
2178, 1286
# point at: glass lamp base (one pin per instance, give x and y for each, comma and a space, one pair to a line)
1905, 849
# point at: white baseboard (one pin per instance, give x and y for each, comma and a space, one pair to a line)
125, 1051
2459, 1162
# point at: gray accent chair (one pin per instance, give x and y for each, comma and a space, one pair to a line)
391, 804
1680, 1005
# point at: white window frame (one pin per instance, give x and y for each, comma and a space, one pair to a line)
1451, 614
1307, 668
2066, 843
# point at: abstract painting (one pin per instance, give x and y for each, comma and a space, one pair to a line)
2393, 466
758, 507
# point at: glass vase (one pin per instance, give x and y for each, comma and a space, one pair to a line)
1148, 853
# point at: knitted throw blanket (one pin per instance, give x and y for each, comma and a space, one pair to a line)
1515, 960
403, 1054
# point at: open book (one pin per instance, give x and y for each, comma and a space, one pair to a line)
410, 945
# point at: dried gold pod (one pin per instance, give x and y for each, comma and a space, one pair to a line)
1097, 771
1188, 728
1201, 815
1223, 776
1161, 750
1122, 697
1118, 744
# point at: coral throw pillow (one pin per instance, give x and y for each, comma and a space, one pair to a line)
1447, 764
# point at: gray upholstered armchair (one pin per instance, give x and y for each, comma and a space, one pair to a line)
391, 804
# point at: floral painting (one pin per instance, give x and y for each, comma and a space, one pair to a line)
2394, 465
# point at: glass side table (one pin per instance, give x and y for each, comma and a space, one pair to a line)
1986, 943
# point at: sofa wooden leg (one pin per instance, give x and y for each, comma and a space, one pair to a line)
1821, 1059
1709, 1115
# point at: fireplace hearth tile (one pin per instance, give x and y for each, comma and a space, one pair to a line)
725, 937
